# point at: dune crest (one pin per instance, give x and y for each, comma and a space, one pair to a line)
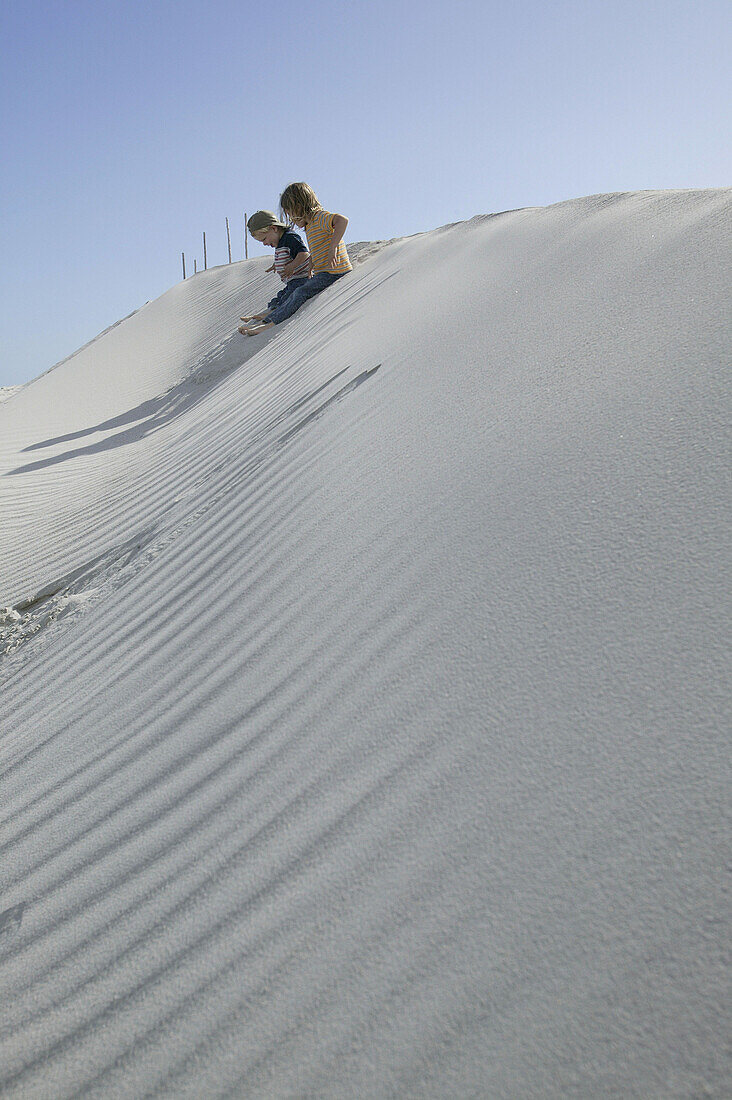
362, 688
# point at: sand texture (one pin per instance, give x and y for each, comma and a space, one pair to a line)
363, 690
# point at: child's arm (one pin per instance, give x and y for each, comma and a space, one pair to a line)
339, 228
296, 262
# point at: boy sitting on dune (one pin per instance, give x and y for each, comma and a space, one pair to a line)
291, 258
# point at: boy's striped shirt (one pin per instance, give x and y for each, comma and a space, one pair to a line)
291, 245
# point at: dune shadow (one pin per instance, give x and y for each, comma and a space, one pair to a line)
151, 415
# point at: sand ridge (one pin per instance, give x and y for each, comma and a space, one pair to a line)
363, 716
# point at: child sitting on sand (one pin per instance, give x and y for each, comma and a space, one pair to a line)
328, 256
291, 258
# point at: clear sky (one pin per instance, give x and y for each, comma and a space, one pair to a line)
129, 127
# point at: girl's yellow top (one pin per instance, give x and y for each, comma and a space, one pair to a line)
319, 231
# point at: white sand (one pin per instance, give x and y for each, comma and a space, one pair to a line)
363, 705
7, 391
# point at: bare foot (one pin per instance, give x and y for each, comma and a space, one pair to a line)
255, 329
254, 317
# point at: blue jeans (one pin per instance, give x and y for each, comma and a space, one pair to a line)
309, 289
288, 289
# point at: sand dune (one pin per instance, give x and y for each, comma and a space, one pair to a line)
364, 686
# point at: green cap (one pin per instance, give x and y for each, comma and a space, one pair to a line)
263, 219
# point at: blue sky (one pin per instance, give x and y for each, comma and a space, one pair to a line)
128, 128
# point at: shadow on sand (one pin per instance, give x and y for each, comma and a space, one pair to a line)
155, 413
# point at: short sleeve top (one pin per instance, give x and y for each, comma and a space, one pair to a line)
319, 230
290, 245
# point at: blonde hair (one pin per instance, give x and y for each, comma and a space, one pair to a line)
298, 200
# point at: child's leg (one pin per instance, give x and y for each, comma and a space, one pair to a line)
288, 289
279, 300
309, 289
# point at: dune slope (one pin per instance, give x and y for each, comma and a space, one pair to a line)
363, 686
